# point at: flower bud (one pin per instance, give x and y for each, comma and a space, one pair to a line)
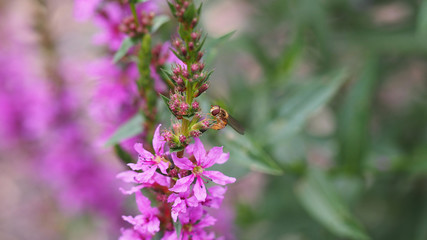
199, 56
195, 105
185, 74
194, 67
202, 89
191, 46
195, 133
182, 138
183, 51
195, 36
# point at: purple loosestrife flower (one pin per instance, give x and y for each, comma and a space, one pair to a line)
145, 225
148, 162
203, 161
181, 202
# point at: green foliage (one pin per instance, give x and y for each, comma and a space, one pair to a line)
130, 128
126, 44
319, 198
336, 65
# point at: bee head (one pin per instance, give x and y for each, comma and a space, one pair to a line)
215, 110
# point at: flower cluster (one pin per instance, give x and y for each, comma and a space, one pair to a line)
178, 186
118, 98
137, 28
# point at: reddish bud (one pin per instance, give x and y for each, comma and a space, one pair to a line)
195, 133
183, 51
195, 105
194, 67
195, 36
191, 45
182, 138
185, 74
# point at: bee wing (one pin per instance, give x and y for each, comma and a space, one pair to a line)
236, 125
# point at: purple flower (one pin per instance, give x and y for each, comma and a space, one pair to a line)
146, 224
148, 162
214, 199
181, 202
203, 160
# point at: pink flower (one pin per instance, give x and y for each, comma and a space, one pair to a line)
148, 162
203, 160
181, 202
146, 224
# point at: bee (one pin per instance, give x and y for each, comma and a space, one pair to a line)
223, 118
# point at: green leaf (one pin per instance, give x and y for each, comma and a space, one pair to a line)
212, 44
127, 43
158, 22
422, 20
295, 109
354, 117
129, 129
123, 154
178, 227
320, 200
246, 150
172, 8
189, 14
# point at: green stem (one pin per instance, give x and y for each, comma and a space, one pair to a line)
133, 9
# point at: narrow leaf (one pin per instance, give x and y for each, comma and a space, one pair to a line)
129, 129
320, 200
127, 43
354, 116
299, 106
123, 154
178, 226
158, 22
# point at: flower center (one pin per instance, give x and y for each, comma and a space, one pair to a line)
158, 159
197, 170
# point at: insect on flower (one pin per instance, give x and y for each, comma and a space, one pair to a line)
223, 118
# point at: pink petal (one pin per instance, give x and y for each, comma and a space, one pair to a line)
142, 152
178, 207
127, 176
192, 202
212, 157
136, 166
199, 150
217, 191
163, 166
162, 180
199, 189
158, 142
132, 190
146, 176
183, 184
218, 177
182, 163
223, 158
153, 226
172, 197
206, 222
143, 203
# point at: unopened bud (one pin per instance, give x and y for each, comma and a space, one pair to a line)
195, 105
202, 89
179, 81
185, 74
194, 67
199, 56
183, 51
195, 36
195, 133
191, 45
182, 138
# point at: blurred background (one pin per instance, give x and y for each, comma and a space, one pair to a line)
333, 95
